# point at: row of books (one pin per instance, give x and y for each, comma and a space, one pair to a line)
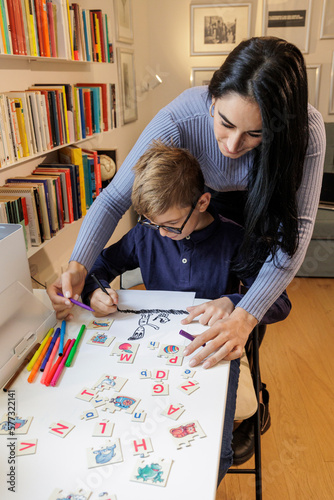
46, 116
54, 28
53, 195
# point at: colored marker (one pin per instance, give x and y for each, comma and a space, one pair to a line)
26, 360
39, 361
62, 337
53, 341
38, 352
55, 366
99, 284
75, 345
62, 364
188, 336
50, 360
80, 304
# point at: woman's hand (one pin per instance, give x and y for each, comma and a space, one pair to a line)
70, 284
102, 303
225, 339
210, 311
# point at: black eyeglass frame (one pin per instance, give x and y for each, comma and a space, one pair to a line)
176, 230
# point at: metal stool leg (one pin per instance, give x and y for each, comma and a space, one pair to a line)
257, 424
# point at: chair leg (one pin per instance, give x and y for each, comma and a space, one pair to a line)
257, 424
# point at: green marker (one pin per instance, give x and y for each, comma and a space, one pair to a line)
75, 345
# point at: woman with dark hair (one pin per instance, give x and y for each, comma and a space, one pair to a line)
261, 149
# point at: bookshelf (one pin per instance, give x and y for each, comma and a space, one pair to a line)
20, 72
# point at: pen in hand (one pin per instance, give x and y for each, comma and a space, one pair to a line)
99, 284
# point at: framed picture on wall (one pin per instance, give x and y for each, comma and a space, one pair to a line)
218, 28
201, 76
331, 91
127, 81
313, 79
288, 19
123, 19
327, 21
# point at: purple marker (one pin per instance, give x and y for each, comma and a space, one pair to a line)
188, 336
80, 304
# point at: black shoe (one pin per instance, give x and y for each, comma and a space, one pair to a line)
243, 436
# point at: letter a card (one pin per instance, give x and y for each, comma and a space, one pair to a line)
109, 453
152, 471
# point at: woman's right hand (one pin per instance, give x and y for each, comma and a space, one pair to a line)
70, 284
102, 303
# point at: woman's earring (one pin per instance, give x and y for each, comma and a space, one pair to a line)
210, 110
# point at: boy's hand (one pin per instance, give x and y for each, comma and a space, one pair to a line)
102, 303
225, 340
70, 284
210, 311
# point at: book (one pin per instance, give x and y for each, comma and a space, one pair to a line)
57, 191
12, 26
5, 129
73, 155
38, 18
103, 97
5, 32
22, 127
33, 98
66, 188
44, 201
26, 111
88, 121
97, 172
28, 192
15, 128
15, 214
45, 28
64, 104
52, 30
100, 34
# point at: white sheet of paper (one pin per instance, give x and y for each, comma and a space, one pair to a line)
153, 299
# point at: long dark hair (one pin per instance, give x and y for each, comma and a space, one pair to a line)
271, 72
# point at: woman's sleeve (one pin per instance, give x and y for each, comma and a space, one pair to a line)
103, 216
272, 281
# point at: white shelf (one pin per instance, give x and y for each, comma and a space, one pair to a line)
62, 232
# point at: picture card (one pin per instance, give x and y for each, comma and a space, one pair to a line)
100, 324
110, 453
151, 470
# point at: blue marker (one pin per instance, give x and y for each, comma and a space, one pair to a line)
62, 336
47, 355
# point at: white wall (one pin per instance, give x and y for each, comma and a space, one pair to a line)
170, 48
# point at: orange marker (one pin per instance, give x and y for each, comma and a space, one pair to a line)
39, 361
57, 363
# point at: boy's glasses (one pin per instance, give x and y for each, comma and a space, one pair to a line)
177, 230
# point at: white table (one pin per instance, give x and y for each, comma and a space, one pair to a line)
61, 462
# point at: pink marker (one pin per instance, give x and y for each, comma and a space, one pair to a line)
62, 364
50, 360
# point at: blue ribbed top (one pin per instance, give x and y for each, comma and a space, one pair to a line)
186, 123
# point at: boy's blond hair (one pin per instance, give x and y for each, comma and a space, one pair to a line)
166, 177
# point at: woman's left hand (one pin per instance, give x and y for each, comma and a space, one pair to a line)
225, 339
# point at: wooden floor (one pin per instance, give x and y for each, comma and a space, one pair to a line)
297, 364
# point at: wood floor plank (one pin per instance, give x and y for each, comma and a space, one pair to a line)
297, 365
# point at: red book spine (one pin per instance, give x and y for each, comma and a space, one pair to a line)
25, 211
51, 25
45, 29
93, 34
88, 112
13, 32
38, 11
21, 39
